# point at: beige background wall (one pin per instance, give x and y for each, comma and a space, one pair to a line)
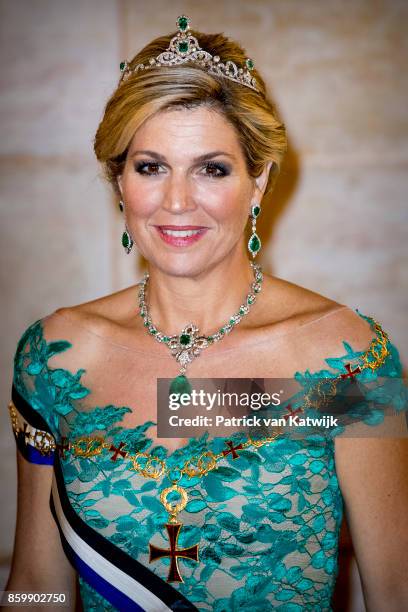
336, 222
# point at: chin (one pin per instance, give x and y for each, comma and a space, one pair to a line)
182, 265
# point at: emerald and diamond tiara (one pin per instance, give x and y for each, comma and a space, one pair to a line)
183, 48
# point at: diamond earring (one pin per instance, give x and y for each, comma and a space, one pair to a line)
254, 243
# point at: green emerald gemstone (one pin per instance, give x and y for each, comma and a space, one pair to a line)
255, 211
249, 64
250, 299
122, 65
183, 46
165, 339
185, 339
125, 239
182, 23
180, 384
254, 243
232, 321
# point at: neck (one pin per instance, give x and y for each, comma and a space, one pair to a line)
208, 300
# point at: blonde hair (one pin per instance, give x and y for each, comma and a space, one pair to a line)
253, 115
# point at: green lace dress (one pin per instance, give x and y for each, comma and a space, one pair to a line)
266, 521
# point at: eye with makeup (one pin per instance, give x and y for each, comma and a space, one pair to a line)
217, 169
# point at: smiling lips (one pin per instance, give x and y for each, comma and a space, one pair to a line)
180, 235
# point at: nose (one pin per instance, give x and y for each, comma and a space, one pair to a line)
178, 197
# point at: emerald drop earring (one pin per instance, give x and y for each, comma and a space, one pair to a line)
127, 241
254, 243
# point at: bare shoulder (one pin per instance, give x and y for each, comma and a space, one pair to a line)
325, 323
297, 306
99, 315
292, 304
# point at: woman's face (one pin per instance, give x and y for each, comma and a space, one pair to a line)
186, 190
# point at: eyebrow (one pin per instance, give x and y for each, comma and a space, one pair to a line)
198, 159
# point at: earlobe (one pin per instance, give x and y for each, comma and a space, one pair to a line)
119, 183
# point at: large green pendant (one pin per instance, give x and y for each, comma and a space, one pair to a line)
180, 385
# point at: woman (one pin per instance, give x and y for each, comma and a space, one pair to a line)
191, 144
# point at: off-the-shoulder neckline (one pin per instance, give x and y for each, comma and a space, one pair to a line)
160, 355
185, 447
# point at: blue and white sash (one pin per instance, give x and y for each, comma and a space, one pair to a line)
123, 581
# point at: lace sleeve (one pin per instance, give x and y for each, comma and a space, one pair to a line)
366, 395
33, 398
360, 393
